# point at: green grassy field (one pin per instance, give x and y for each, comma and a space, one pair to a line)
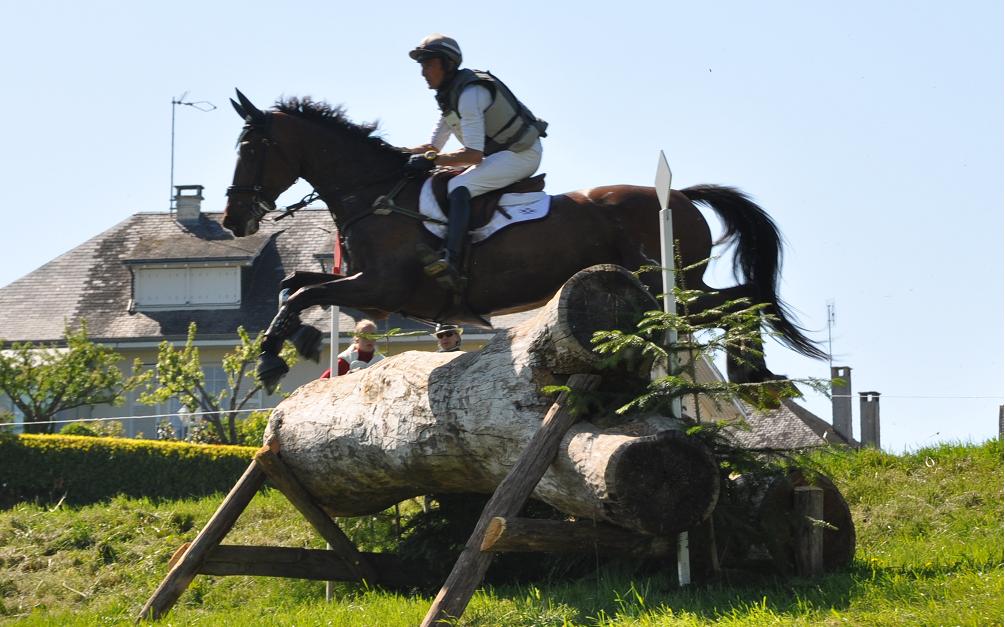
929, 552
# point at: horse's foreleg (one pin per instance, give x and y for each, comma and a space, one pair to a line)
355, 291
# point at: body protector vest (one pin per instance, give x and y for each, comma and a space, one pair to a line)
509, 125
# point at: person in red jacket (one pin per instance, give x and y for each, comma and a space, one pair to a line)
361, 353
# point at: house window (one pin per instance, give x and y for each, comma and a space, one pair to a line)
216, 382
187, 287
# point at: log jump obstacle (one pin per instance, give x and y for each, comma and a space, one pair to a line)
421, 422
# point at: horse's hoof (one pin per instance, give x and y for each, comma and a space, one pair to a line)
307, 341
270, 369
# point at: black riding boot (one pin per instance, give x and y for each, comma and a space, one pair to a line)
457, 230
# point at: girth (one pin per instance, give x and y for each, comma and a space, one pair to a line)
482, 207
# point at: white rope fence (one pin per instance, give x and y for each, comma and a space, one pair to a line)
169, 415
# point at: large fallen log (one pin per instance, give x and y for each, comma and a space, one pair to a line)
423, 422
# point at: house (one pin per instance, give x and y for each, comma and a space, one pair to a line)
147, 278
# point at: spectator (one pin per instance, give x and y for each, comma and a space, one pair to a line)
362, 353
448, 337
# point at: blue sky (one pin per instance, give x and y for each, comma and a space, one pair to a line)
871, 132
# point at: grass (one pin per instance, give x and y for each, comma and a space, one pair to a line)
930, 548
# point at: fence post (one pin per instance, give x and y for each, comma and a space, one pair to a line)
869, 416
809, 508
1001, 422
841, 400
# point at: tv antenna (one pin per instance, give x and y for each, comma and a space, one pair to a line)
201, 105
831, 322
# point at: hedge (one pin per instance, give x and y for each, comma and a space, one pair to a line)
45, 468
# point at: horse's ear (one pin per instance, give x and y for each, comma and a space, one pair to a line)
239, 109
252, 113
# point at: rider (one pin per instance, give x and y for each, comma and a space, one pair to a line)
500, 137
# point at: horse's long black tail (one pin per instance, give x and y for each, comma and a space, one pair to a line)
758, 256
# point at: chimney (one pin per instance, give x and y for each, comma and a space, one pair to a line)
841, 400
869, 417
187, 203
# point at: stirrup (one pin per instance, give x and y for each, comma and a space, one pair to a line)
436, 268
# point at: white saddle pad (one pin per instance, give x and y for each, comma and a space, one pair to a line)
520, 207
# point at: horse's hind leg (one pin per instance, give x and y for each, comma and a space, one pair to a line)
633, 258
744, 362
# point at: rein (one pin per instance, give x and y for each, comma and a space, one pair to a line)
261, 205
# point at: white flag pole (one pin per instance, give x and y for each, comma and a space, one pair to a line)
664, 178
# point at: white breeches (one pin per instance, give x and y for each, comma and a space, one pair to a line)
498, 170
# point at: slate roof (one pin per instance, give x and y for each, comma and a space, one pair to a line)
791, 426
93, 282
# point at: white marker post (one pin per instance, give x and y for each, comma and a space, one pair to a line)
333, 366
663, 180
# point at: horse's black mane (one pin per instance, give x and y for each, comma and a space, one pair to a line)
331, 116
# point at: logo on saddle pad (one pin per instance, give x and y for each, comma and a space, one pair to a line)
515, 208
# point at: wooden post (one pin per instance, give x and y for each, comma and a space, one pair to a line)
508, 499
516, 535
809, 509
316, 564
284, 481
186, 568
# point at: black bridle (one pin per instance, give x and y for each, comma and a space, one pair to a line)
260, 205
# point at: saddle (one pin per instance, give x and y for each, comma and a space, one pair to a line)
482, 207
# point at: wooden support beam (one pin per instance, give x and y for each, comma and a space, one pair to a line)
186, 568
514, 535
283, 479
316, 564
809, 512
508, 499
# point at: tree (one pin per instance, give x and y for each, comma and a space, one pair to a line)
43, 380
697, 339
180, 376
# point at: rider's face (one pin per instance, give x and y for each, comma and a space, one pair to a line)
433, 72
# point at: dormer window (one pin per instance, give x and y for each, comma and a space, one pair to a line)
186, 286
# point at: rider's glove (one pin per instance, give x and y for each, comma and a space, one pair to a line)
418, 165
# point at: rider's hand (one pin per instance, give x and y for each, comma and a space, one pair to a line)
418, 165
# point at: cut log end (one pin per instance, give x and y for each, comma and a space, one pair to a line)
599, 298
664, 484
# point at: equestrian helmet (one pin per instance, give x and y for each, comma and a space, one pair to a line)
437, 45
443, 328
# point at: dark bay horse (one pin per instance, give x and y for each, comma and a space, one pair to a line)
517, 269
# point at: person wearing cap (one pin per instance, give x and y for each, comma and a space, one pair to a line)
448, 337
500, 137
361, 353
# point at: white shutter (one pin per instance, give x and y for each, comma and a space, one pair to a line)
188, 287
156, 287
215, 286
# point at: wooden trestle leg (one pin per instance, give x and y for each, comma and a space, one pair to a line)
187, 567
509, 498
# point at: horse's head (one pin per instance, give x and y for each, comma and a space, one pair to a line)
264, 170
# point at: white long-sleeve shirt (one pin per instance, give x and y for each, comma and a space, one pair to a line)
470, 128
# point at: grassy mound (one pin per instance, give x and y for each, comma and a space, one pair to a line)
929, 552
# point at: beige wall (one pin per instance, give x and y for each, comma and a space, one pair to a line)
301, 373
